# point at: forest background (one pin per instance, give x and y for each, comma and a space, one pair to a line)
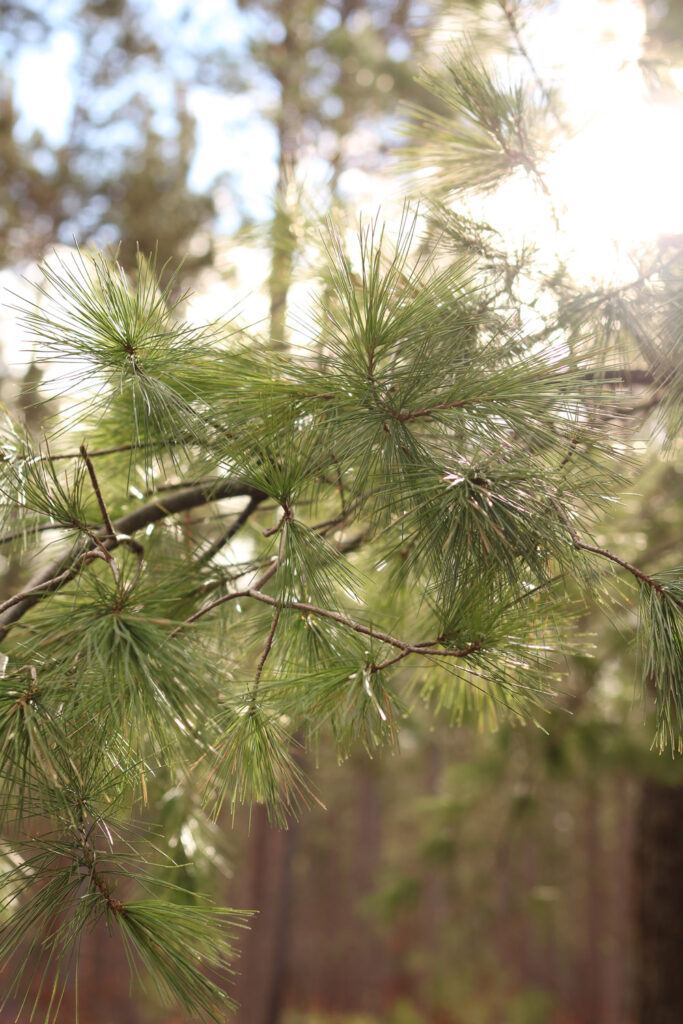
478, 876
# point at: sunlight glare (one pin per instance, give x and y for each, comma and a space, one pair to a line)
620, 186
616, 184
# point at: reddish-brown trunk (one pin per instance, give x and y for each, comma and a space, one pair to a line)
659, 905
266, 888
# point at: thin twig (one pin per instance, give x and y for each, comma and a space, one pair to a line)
511, 18
88, 856
405, 417
48, 585
98, 493
581, 545
234, 595
358, 627
391, 661
340, 486
108, 527
286, 516
97, 452
267, 648
327, 525
226, 537
344, 620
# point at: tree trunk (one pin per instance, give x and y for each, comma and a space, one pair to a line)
267, 889
283, 241
659, 905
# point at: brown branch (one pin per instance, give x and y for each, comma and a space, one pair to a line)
358, 627
344, 547
232, 596
267, 648
328, 525
581, 545
405, 417
391, 661
40, 590
88, 859
344, 620
285, 521
67, 567
134, 546
98, 493
181, 485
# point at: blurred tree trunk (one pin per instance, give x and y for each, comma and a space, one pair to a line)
592, 970
366, 965
659, 905
617, 1005
287, 70
267, 889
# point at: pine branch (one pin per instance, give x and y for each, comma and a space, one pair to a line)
581, 545
417, 647
67, 567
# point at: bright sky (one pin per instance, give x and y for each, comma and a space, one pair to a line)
619, 178
230, 136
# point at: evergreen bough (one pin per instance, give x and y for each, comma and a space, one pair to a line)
242, 552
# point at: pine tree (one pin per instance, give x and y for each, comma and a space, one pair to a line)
242, 551
96, 181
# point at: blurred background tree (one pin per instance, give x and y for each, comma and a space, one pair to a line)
115, 170
515, 877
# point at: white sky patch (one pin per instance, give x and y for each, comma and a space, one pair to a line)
620, 176
231, 289
44, 91
621, 181
17, 291
230, 138
616, 184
